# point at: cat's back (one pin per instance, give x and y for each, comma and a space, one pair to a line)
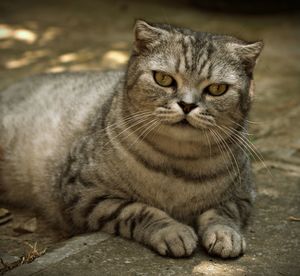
54, 100
60, 90
40, 118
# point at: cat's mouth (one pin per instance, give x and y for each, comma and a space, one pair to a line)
184, 123
195, 124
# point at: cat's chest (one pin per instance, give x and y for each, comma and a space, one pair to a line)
180, 198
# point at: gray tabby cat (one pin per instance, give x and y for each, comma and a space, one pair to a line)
155, 154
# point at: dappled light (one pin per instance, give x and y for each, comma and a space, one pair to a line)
48, 35
24, 35
68, 57
114, 58
206, 268
26, 59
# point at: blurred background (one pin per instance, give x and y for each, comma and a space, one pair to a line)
73, 35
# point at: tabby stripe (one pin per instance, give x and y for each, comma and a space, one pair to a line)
157, 224
208, 56
102, 221
117, 228
85, 183
170, 171
244, 208
71, 203
64, 177
136, 77
93, 204
132, 228
185, 49
141, 214
185, 250
209, 71
226, 211
241, 168
194, 60
211, 153
143, 217
202, 65
177, 65
148, 217
169, 250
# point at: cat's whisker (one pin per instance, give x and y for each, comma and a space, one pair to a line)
209, 145
223, 151
245, 130
143, 128
151, 126
130, 121
138, 122
252, 150
243, 139
234, 162
253, 122
232, 139
127, 119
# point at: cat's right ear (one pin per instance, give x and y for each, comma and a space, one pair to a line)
147, 36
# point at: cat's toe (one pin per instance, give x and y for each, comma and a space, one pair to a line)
223, 241
175, 241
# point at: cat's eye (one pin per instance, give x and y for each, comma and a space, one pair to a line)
163, 79
216, 89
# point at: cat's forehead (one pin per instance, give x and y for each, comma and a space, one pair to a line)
175, 50
193, 56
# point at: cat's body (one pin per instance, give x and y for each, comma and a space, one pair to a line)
121, 153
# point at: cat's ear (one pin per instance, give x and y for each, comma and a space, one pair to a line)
249, 53
146, 35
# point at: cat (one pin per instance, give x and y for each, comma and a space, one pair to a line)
154, 153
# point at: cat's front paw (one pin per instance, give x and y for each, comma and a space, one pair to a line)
175, 240
223, 241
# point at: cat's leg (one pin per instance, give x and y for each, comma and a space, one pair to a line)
137, 221
220, 228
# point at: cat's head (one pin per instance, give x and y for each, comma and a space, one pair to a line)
190, 79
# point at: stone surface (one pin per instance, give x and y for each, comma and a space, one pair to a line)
53, 36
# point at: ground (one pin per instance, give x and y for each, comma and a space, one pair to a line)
54, 36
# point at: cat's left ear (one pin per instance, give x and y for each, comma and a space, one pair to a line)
147, 36
249, 53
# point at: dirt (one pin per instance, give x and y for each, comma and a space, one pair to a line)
48, 36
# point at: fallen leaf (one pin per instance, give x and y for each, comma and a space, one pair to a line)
5, 216
28, 226
293, 218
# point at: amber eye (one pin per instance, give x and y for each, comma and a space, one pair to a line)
163, 79
216, 89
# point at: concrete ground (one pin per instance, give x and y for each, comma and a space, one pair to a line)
54, 36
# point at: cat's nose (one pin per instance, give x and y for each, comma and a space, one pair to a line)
186, 107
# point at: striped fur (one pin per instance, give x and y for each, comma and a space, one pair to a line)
115, 152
